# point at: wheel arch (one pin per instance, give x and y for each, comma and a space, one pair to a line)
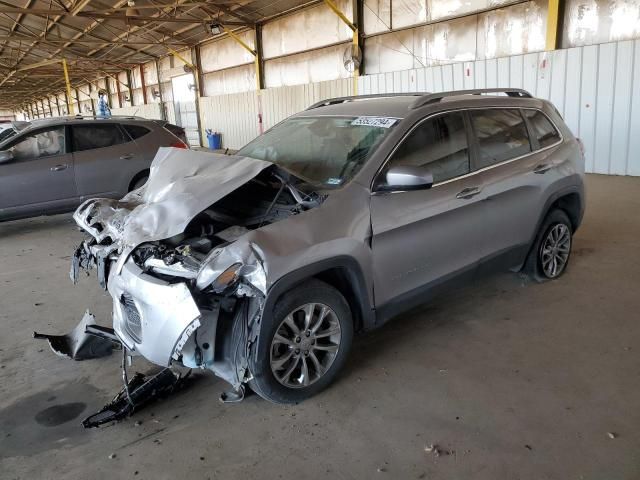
571, 201
138, 176
344, 274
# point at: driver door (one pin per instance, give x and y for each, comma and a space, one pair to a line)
39, 179
424, 238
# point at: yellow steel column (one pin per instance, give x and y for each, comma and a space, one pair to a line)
354, 29
253, 52
68, 83
552, 24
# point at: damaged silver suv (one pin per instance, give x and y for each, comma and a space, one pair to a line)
261, 266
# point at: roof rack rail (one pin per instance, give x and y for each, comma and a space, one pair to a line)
336, 100
436, 97
127, 117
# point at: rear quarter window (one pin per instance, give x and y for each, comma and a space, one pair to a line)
136, 131
541, 128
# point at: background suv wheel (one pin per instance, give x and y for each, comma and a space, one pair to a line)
303, 345
551, 250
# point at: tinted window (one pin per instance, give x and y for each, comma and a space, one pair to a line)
136, 131
87, 137
440, 144
542, 128
40, 144
501, 134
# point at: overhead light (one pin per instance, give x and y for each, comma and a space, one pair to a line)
215, 28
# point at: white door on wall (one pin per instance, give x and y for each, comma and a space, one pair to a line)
184, 98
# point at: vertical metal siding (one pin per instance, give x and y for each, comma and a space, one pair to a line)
596, 88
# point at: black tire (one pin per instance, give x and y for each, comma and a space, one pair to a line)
534, 264
264, 381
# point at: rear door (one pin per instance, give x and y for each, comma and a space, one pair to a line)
423, 238
515, 172
40, 178
105, 157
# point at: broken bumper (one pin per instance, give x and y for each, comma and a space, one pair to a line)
152, 317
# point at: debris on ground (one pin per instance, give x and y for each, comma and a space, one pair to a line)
437, 450
138, 392
112, 456
80, 345
612, 435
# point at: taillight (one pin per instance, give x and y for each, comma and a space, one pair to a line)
179, 144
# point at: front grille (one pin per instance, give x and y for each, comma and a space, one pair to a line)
132, 322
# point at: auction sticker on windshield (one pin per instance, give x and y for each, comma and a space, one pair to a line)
383, 122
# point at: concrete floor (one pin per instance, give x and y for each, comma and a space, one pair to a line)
510, 379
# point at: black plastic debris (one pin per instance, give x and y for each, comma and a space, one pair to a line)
80, 345
138, 392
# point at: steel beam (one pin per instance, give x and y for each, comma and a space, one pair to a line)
553, 14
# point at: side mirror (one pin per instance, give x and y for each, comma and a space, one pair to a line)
6, 156
406, 177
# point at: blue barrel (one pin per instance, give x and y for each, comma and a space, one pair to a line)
215, 140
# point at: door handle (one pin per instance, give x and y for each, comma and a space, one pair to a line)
127, 156
542, 168
468, 193
59, 168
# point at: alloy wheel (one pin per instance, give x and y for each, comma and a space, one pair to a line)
554, 251
305, 345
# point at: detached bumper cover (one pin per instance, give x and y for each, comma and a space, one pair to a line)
152, 317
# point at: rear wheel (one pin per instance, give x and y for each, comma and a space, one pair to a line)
303, 345
551, 250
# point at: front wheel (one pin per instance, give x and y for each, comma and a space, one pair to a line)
303, 345
551, 250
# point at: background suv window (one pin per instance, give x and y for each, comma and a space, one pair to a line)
40, 144
136, 131
502, 135
542, 128
440, 144
87, 137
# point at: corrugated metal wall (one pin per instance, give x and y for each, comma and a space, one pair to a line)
593, 87
151, 110
236, 115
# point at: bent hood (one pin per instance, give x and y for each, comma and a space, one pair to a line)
181, 184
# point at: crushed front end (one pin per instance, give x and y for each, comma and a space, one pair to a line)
194, 298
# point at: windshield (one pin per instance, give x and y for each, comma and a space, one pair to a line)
322, 150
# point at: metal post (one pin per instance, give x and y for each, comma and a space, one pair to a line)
553, 13
68, 84
143, 84
129, 87
78, 101
119, 93
49, 103
197, 75
162, 112
259, 58
358, 19
355, 38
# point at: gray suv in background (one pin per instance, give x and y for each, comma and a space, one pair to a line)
52, 165
261, 266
